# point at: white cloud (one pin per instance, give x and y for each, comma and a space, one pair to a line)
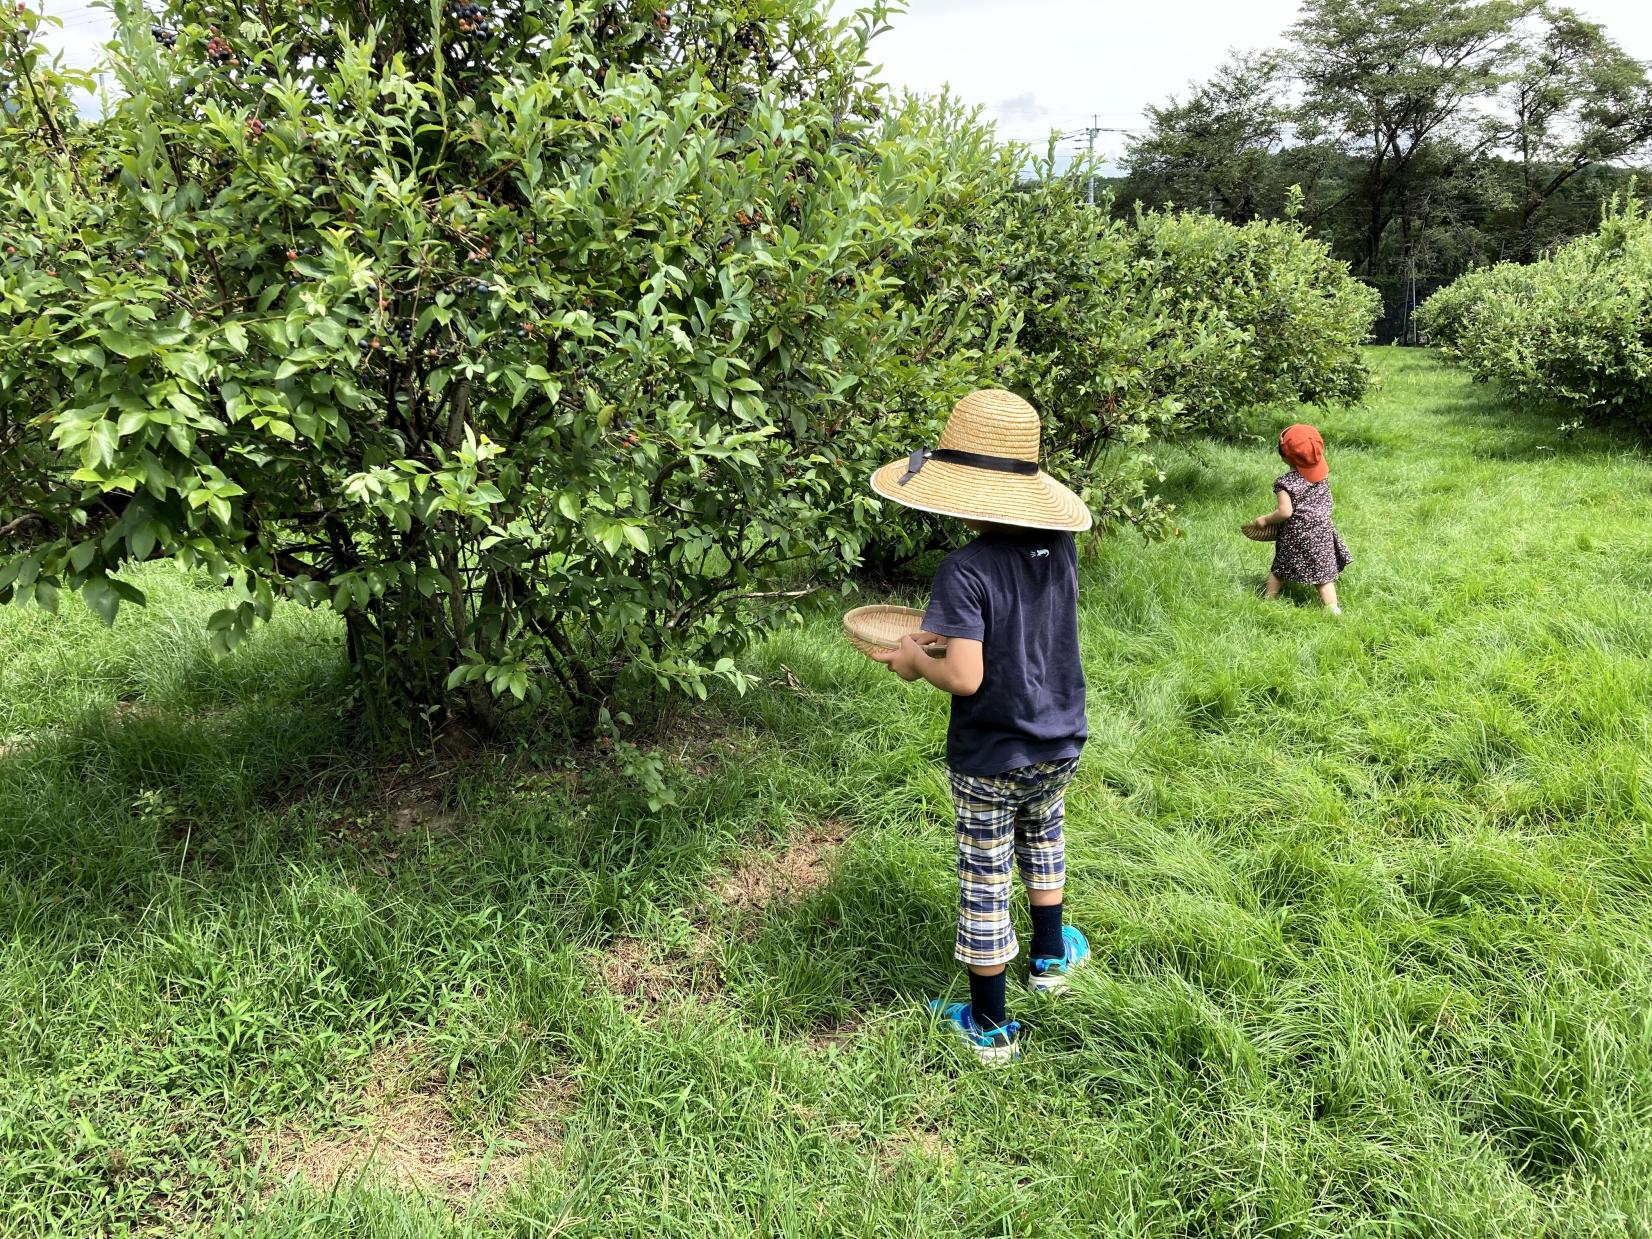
1021, 110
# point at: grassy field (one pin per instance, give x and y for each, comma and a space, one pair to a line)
1369, 898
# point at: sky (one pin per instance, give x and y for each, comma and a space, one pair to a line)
1063, 64
1037, 65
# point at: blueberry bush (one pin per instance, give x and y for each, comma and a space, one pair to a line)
551, 343
1573, 329
1263, 312
1126, 331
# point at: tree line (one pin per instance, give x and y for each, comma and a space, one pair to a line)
1417, 139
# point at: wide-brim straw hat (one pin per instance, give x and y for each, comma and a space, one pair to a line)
985, 469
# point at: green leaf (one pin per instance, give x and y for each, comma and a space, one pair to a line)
99, 594
141, 540
124, 345
328, 331
99, 451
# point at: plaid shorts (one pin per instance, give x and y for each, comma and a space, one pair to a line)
1018, 813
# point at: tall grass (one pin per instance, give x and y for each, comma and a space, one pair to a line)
1368, 897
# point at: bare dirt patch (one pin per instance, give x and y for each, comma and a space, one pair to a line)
826, 1038
404, 1133
647, 978
924, 1143
419, 813
698, 743
804, 866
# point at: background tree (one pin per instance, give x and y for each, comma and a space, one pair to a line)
1393, 83
1218, 149
1574, 99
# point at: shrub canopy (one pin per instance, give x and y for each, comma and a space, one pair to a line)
551, 344
1574, 328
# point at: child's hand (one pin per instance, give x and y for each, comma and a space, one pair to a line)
931, 644
904, 659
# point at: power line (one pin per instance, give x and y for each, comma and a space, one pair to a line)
1090, 133
80, 14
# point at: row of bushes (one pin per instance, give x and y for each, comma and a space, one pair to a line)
1574, 328
554, 349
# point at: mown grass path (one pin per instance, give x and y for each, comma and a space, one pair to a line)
1369, 896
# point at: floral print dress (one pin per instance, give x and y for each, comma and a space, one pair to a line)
1309, 550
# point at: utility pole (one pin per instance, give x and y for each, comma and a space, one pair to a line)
1095, 121
1094, 128
1409, 334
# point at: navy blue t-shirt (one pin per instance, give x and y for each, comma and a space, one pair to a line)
1016, 592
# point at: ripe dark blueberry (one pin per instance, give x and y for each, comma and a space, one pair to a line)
140, 255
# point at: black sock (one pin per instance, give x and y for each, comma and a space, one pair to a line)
1047, 942
986, 1000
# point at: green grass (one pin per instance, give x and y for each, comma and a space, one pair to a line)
1369, 899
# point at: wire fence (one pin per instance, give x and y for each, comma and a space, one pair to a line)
1400, 299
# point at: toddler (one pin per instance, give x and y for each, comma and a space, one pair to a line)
1309, 550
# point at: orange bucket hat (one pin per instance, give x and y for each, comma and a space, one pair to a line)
1303, 450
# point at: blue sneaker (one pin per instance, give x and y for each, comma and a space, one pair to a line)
1051, 976
998, 1046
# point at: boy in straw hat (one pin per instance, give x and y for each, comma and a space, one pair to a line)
1005, 607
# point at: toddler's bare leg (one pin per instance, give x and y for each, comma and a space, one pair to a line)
1272, 588
1328, 595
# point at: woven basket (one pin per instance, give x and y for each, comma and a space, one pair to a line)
1267, 533
872, 629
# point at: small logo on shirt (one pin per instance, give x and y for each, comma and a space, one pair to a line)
1042, 552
